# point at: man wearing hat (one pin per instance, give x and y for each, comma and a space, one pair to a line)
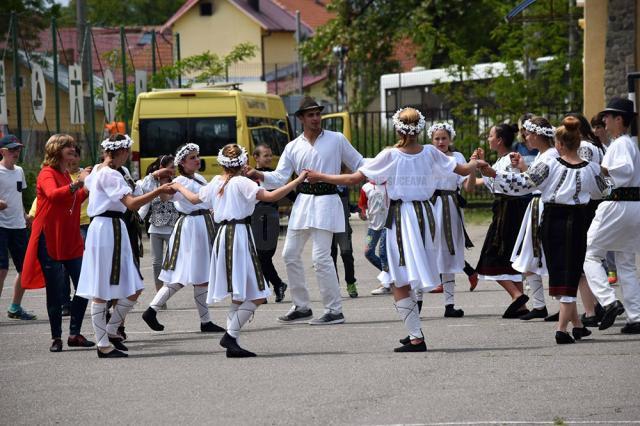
316, 214
616, 226
13, 225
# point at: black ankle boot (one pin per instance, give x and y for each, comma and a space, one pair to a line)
150, 317
451, 312
233, 349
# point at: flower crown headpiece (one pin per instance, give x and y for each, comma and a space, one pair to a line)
232, 162
108, 145
441, 126
184, 151
548, 132
408, 129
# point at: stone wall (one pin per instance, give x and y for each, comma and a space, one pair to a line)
620, 49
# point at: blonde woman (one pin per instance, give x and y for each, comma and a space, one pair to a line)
409, 170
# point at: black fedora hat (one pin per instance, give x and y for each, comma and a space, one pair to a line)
308, 103
619, 106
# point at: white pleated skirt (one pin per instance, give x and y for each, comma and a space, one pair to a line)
448, 263
244, 282
192, 263
420, 257
97, 262
526, 260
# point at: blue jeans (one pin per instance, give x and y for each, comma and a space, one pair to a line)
53, 271
374, 239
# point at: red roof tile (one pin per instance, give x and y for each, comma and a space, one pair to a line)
314, 13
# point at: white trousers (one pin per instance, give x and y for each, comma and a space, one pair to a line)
627, 278
322, 263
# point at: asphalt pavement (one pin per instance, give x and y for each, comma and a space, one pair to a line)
479, 369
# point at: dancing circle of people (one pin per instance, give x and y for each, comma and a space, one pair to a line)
563, 213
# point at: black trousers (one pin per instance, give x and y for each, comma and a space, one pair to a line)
268, 270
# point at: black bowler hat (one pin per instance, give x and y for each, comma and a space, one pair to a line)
308, 103
619, 106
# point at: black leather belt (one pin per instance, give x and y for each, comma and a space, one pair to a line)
625, 194
320, 188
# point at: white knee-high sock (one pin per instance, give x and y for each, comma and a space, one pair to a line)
537, 290
239, 316
416, 295
407, 308
99, 322
200, 297
164, 294
449, 285
120, 311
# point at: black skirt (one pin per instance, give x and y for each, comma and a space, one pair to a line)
564, 240
495, 258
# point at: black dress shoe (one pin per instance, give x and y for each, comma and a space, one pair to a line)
451, 312
420, 347
79, 341
553, 318
405, 340
514, 308
150, 317
56, 345
117, 343
233, 349
209, 327
113, 354
535, 313
610, 313
589, 321
579, 333
631, 328
563, 338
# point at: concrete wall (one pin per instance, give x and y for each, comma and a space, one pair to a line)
620, 54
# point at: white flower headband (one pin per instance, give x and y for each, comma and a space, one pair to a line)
184, 151
408, 129
441, 126
230, 162
548, 132
108, 145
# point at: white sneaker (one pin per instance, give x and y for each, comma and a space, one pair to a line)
381, 290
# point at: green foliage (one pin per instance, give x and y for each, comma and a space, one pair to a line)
33, 16
113, 13
202, 68
456, 34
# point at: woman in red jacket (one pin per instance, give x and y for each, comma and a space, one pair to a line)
55, 243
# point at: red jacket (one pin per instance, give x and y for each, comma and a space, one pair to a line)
58, 216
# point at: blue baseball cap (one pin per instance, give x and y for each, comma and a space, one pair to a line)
10, 141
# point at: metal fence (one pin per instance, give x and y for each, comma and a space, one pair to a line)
372, 131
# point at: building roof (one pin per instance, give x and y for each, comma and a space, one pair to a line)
313, 13
270, 16
107, 40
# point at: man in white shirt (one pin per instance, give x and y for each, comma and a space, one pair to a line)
616, 225
13, 226
317, 212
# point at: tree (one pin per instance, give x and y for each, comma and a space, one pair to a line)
113, 13
456, 34
33, 16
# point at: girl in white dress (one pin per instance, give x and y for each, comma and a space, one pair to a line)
566, 183
452, 238
410, 171
527, 256
108, 269
235, 268
186, 261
